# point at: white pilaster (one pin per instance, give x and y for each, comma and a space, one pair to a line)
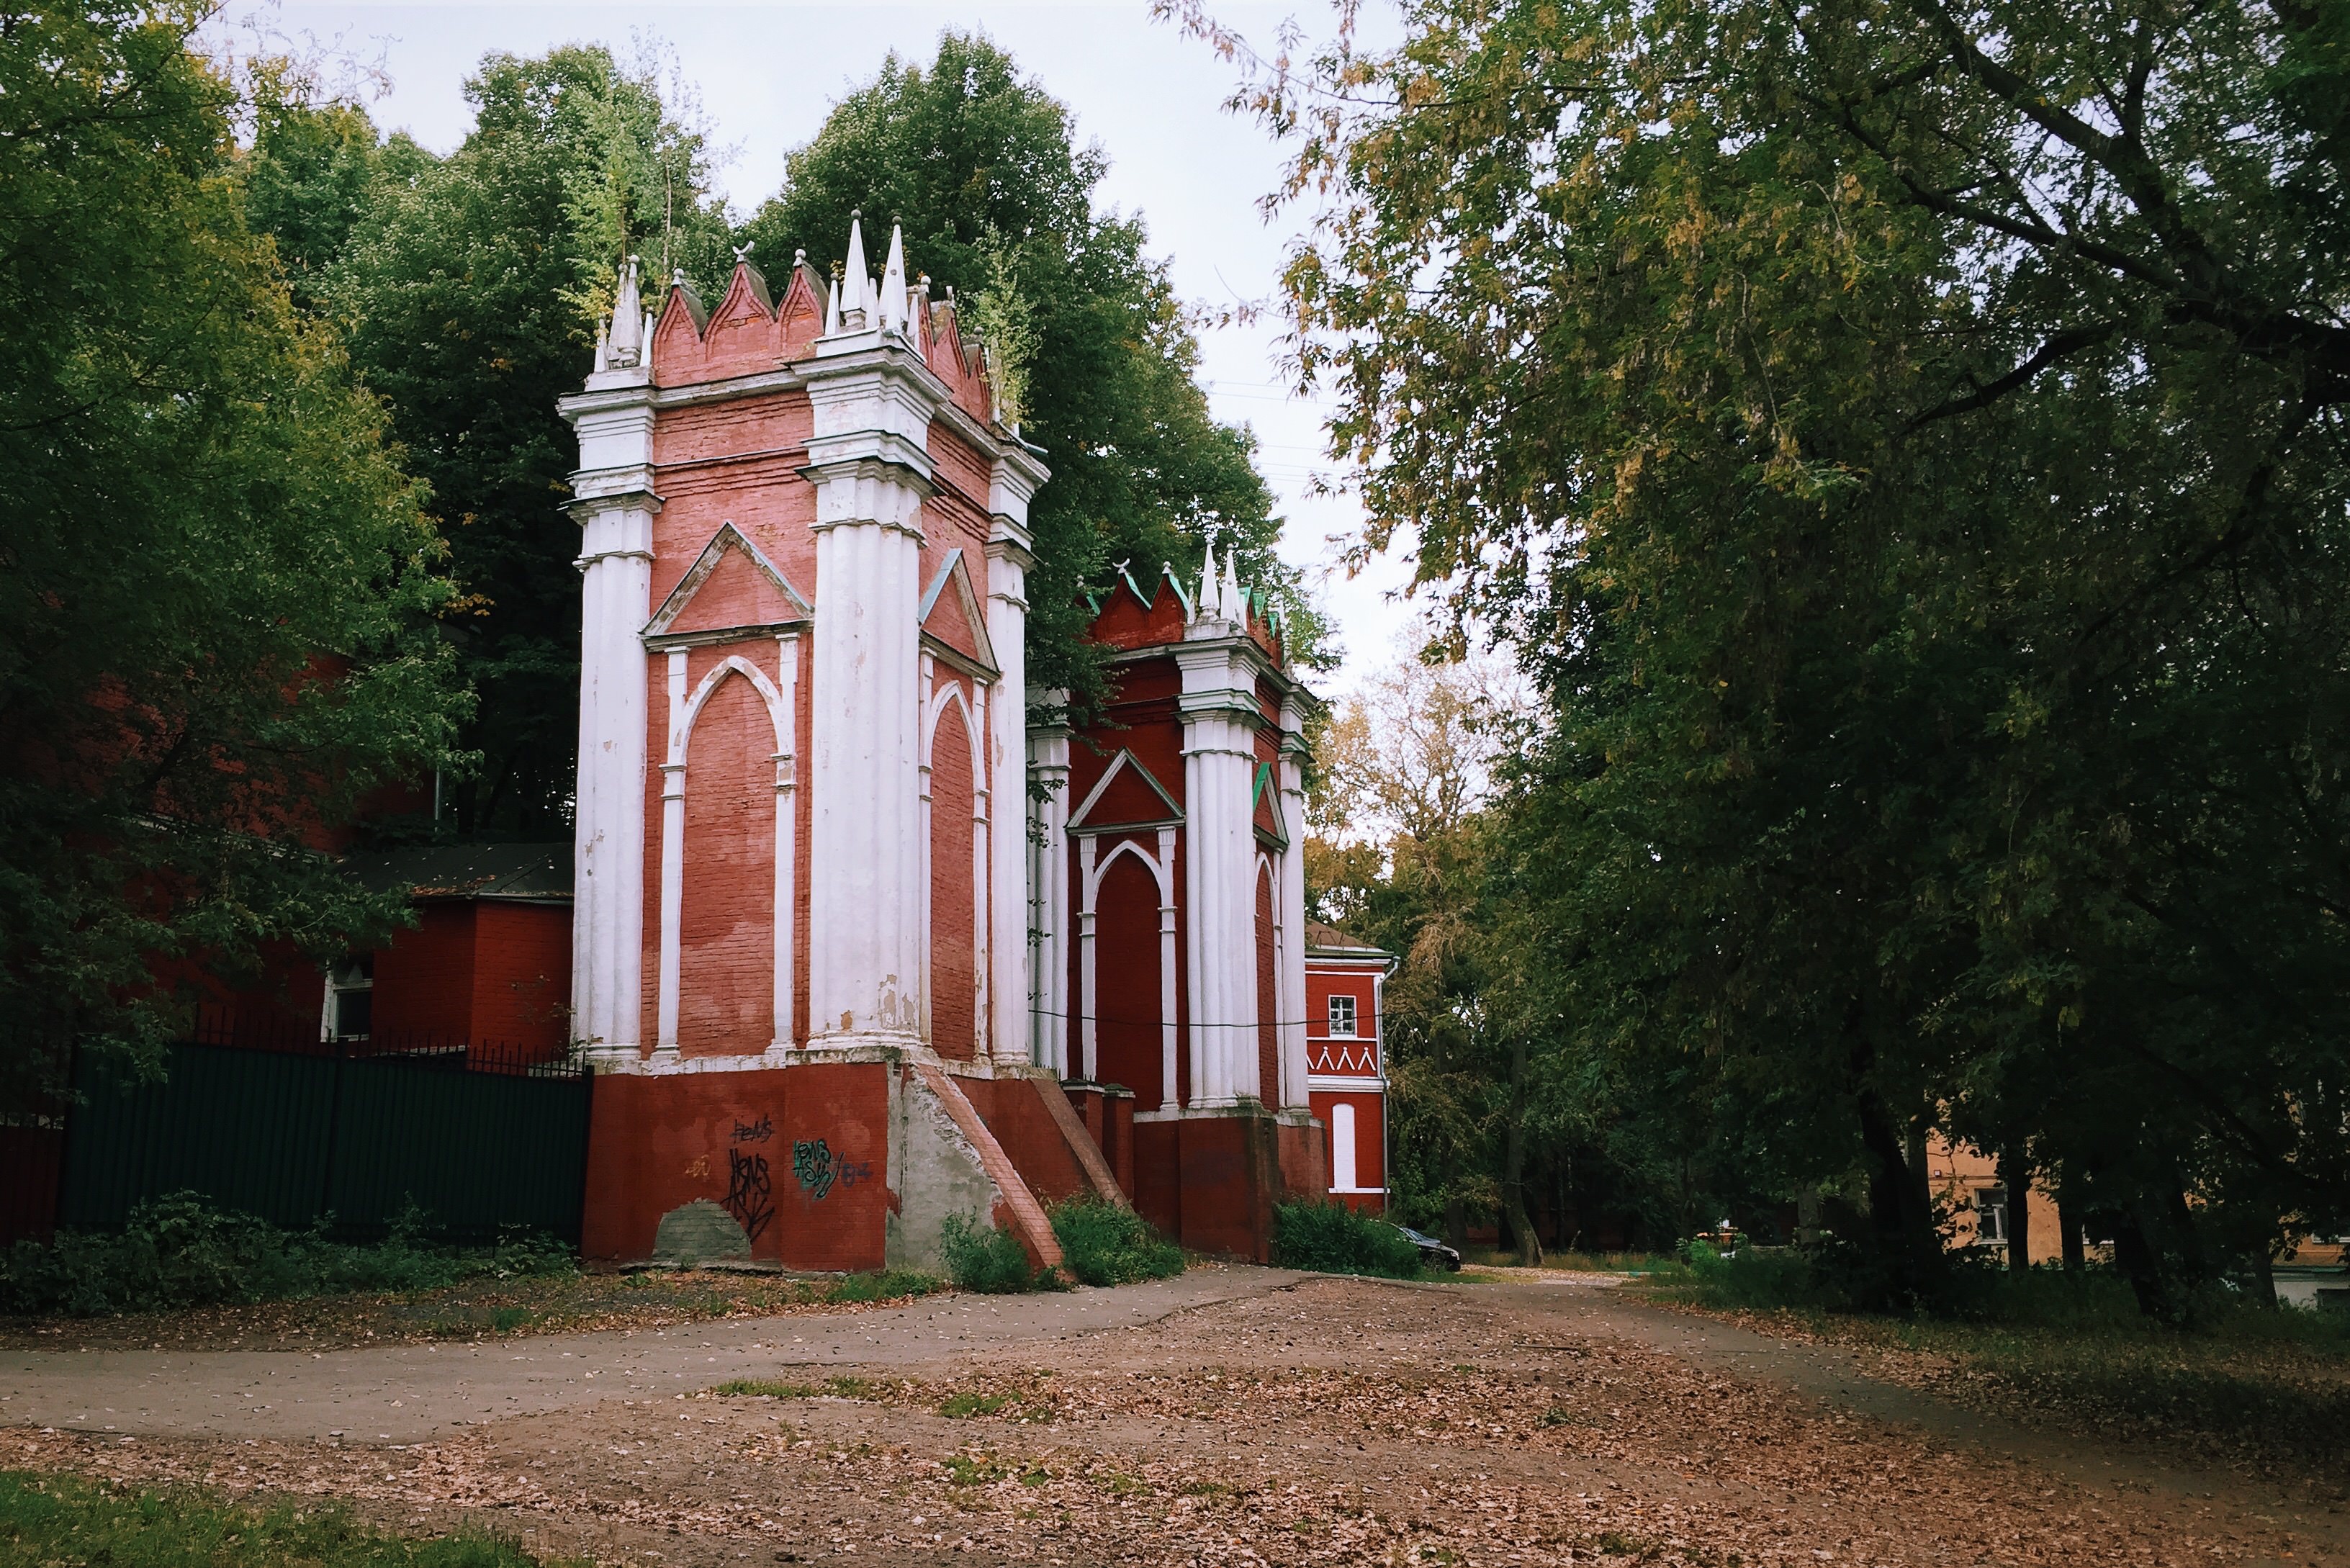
1048, 902
787, 822
1220, 717
1169, 1042
614, 504
869, 464
1291, 891
673, 860
1010, 977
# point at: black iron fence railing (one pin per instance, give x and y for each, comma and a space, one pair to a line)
478, 1137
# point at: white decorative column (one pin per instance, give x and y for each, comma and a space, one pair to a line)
788, 822
1291, 892
614, 502
868, 461
672, 862
1016, 478
1049, 894
1220, 716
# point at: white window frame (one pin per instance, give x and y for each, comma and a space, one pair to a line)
1353, 1012
353, 976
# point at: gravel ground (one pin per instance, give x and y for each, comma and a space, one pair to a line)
1322, 1421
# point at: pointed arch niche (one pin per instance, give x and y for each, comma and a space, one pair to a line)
735, 602
1125, 811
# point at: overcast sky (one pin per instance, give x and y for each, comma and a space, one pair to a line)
768, 72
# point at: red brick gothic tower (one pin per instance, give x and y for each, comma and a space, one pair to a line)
803, 920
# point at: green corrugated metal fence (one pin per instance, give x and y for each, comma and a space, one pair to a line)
291, 1137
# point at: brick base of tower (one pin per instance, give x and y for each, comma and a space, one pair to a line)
829, 1164
1211, 1179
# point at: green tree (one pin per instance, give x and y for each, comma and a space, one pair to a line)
470, 287
1908, 440
217, 590
998, 203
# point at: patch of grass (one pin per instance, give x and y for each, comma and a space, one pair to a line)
181, 1251
2073, 1345
973, 1469
852, 1388
1558, 1416
882, 1285
1033, 1474
757, 1388
1207, 1488
1107, 1245
988, 1261
969, 1403
65, 1521
1332, 1239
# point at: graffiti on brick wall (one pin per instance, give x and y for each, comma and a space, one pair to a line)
815, 1168
759, 1131
749, 1191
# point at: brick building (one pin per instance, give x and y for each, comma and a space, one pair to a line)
1346, 1061
831, 963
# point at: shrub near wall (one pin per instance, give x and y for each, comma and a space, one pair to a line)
180, 1251
1105, 1244
1332, 1239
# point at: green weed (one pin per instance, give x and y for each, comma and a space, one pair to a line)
1108, 1244
965, 1470
71, 1522
884, 1285
988, 1261
1332, 1239
967, 1404
757, 1388
181, 1251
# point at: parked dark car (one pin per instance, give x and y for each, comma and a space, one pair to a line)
1434, 1253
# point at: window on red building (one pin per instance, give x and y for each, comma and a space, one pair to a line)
1342, 1015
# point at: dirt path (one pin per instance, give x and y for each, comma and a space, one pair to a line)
1233, 1415
409, 1393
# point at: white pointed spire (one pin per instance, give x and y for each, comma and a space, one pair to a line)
1235, 601
831, 310
1211, 587
893, 282
856, 280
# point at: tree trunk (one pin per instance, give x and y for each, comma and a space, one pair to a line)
2139, 1257
1513, 1161
1901, 1221
2016, 1174
1456, 1224
2068, 1227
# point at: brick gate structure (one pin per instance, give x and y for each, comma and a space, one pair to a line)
829, 958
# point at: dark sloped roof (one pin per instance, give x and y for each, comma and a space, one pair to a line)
1320, 938
536, 873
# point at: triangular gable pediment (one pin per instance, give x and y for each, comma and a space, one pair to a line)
1264, 808
1126, 795
731, 584
950, 613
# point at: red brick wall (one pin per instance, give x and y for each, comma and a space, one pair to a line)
658, 1143
1370, 1136
1357, 1057
726, 937
522, 975
1030, 1137
1127, 1045
953, 959
425, 979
